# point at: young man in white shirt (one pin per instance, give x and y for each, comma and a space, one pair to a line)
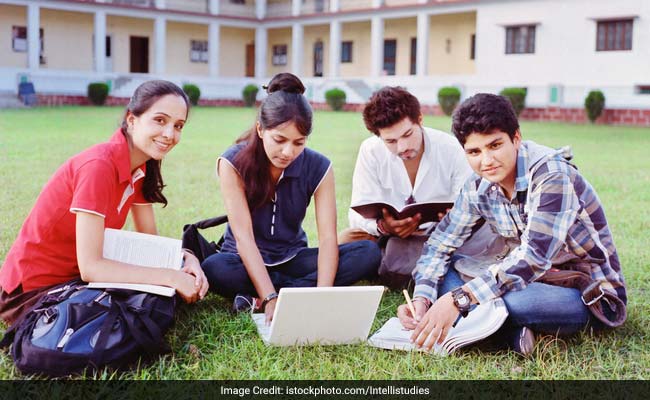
403, 163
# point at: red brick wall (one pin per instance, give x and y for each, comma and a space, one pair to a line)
634, 117
221, 102
426, 109
66, 100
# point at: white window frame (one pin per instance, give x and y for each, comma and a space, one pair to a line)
279, 54
199, 51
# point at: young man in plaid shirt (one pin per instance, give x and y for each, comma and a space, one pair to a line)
530, 194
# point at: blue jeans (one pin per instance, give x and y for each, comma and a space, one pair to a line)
228, 277
543, 308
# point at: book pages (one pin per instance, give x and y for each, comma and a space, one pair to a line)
480, 323
155, 289
142, 249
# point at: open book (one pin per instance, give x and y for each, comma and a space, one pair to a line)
480, 323
143, 250
429, 210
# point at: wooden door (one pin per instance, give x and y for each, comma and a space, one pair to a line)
250, 59
139, 54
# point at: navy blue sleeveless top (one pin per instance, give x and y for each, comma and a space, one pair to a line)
277, 225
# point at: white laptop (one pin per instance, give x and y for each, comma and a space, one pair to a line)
321, 315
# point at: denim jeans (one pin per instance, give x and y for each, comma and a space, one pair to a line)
543, 308
228, 277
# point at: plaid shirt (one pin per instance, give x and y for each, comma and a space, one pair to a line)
560, 215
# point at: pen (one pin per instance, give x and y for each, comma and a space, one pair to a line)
410, 304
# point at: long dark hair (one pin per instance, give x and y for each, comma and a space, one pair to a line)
285, 103
143, 98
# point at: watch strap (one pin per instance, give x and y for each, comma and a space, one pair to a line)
269, 297
462, 306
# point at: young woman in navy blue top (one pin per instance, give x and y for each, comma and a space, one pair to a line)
267, 181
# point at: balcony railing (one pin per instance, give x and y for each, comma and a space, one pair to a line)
279, 9
392, 3
135, 3
347, 5
315, 6
197, 6
237, 9
247, 8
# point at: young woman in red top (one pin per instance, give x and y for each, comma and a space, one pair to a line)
63, 235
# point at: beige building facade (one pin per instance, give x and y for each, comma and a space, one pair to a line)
557, 49
297, 36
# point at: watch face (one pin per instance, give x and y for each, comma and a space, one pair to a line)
463, 300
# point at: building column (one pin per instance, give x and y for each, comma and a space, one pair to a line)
376, 46
261, 44
33, 36
297, 45
377, 3
335, 49
260, 9
335, 5
213, 6
296, 5
160, 38
422, 52
100, 41
214, 35
160, 4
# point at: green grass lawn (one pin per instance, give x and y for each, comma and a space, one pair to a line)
210, 343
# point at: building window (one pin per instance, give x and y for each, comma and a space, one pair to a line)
280, 54
19, 39
643, 89
414, 55
199, 51
520, 39
390, 56
346, 52
108, 47
237, 1
472, 47
614, 35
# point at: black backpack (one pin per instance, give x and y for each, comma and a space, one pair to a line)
73, 328
199, 245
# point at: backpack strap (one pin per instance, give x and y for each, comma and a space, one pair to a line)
150, 338
211, 222
8, 337
96, 358
606, 306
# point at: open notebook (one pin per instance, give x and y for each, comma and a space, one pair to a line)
321, 315
480, 323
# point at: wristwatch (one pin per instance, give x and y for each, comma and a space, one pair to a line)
462, 301
268, 298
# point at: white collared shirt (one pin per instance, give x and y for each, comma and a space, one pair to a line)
380, 175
